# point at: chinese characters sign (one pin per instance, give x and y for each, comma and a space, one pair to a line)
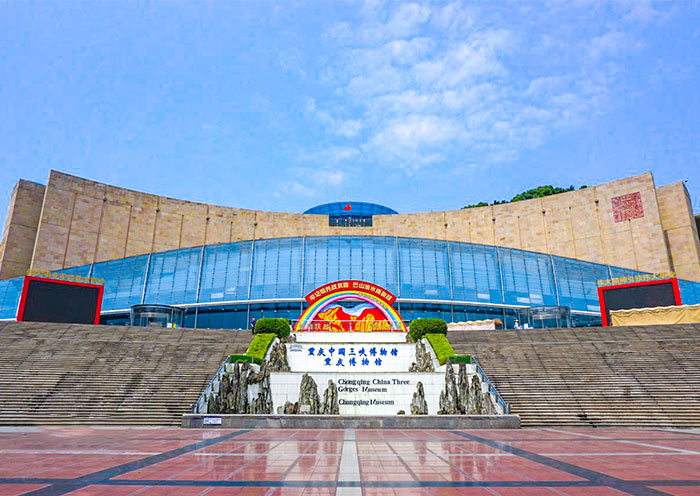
46, 274
627, 207
638, 278
352, 357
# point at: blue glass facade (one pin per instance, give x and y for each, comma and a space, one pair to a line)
352, 214
356, 208
223, 286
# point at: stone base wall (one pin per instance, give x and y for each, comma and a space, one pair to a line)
73, 221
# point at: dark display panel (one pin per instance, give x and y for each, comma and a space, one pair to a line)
642, 296
54, 301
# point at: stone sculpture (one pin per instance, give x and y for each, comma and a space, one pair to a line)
309, 400
278, 358
232, 396
424, 362
418, 404
330, 400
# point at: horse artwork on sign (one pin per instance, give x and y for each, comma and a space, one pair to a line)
350, 306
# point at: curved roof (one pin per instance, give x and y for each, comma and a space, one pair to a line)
346, 209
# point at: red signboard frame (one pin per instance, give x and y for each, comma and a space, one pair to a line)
25, 289
602, 289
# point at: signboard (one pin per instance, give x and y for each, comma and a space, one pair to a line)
350, 306
615, 281
350, 357
364, 393
47, 274
49, 300
646, 294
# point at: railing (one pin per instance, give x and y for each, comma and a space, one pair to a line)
201, 403
492, 389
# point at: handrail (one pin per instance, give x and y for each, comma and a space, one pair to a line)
201, 403
492, 389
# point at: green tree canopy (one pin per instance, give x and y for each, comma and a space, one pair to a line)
538, 192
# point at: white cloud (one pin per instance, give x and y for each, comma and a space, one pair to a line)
612, 43
414, 83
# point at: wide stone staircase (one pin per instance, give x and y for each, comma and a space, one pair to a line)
82, 374
599, 376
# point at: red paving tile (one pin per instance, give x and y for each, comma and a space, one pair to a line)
653, 467
679, 491
386, 459
14, 489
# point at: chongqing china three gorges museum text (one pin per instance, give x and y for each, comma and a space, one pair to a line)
225, 266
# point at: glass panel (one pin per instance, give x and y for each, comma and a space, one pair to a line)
578, 283
10, 291
276, 269
83, 271
423, 267
225, 272
475, 273
123, 281
690, 292
172, 277
527, 278
370, 259
223, 317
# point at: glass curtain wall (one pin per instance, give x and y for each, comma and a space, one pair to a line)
224, 286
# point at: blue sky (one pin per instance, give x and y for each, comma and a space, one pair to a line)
283, 106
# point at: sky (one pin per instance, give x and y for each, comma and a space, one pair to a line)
283, 106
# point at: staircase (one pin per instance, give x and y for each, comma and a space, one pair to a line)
599, 376
101, 375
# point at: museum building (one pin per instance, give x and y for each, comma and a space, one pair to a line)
226, 265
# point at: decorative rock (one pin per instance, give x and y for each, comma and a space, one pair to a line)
308, 396
263, 402
424, 362
330, 400
278, 358
290, 408
463, 389
400, 412
232, 393
449, 397
418, 404
475, 398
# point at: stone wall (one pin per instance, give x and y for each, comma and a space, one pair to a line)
628, 223
21, 224
680, 229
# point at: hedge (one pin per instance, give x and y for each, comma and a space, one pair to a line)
258, 347
441, 346
279, 327
461, 359
243, 358
419, 327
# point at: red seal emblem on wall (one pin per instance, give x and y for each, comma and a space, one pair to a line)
627, 207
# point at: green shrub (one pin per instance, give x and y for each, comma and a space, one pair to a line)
461, 359
258, 347
243, 358
279, 327
441, 346
420, 327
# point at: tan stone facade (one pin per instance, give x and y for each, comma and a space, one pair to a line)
74, 221
20, 228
